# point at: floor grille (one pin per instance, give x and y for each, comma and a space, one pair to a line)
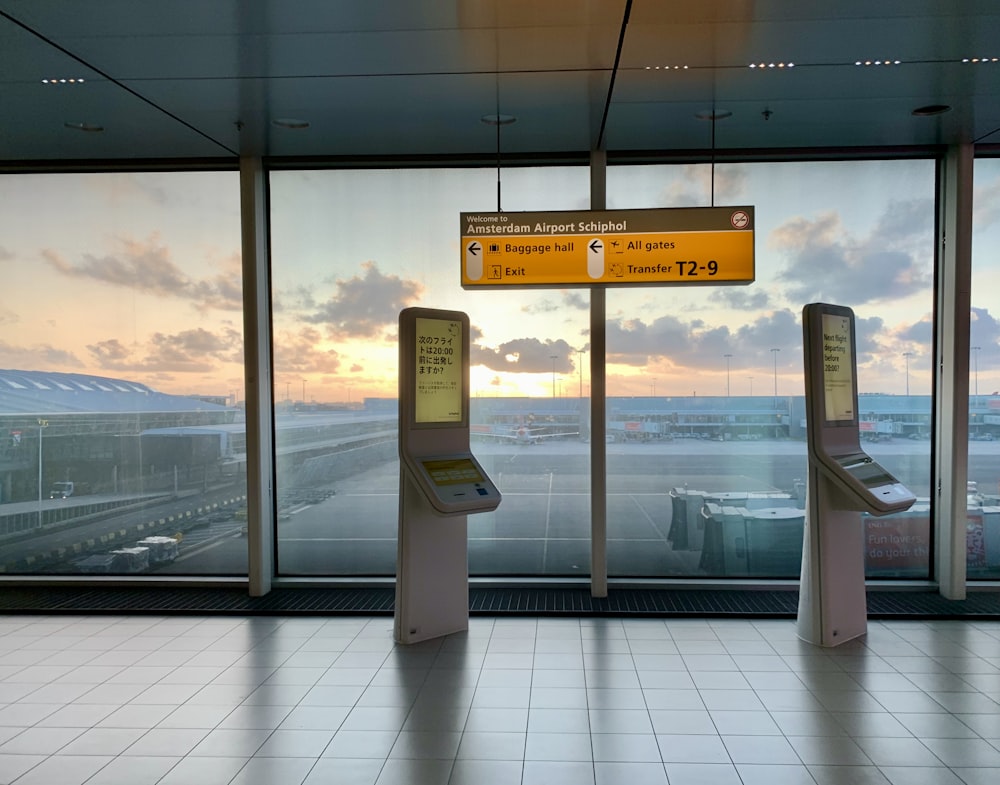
673, 602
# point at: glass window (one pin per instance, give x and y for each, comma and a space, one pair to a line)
122, 445
983, 541
350, 249
707, 455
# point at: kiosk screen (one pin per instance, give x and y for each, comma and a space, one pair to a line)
452, 471
439, 371
838, 368
866, 470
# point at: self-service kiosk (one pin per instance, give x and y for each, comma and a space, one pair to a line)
440, 481
843, 482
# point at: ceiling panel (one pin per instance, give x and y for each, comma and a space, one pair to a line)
190, 78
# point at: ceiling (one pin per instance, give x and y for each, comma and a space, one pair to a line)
209, 78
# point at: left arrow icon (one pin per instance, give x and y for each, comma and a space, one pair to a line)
473, 261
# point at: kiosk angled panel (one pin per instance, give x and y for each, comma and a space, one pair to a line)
434, 412
832, 414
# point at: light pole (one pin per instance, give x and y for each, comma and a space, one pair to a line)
728, 357
42, 425
580, 353
774, 354
975, 358
303, 392
751, 385
907, 355
553, 357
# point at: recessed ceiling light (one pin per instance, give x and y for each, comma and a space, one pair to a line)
64, 80
290, 123
498, 119
88, 127
930, 110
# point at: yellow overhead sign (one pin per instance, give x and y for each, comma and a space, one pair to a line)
669, 246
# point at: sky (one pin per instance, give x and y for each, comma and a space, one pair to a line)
137, 276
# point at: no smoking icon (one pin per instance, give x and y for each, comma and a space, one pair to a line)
739, 220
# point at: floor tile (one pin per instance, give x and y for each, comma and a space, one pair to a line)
104, 741
64, 770
558, 747
230, 743
897, 752
492, 746
493, 719
557, 773
964, 752
625, 747
40, 741
424, 744
680, 748
13, 766
770, 774
134, 771
269, 771
315, 718
344, 771
167, 741
409, 771
916, 775
361, 744
620, 721
486, 772
847, 775
295, 744
634, 773
702, 774
760, 749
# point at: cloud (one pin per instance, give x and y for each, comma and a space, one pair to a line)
146, 266
8, 317
693, 186
299, 298
741, 298
526, 355
40, 356
920, 333
986, 205
571, 299
5, 255
696, 345
299, 353
984, 332
197, 350
127, 188
825, 262
365, 306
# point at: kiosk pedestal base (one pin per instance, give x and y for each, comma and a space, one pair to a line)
432, 569
832, 603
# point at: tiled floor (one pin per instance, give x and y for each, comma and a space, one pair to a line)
332, 701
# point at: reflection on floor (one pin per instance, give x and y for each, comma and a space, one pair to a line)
244, 700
